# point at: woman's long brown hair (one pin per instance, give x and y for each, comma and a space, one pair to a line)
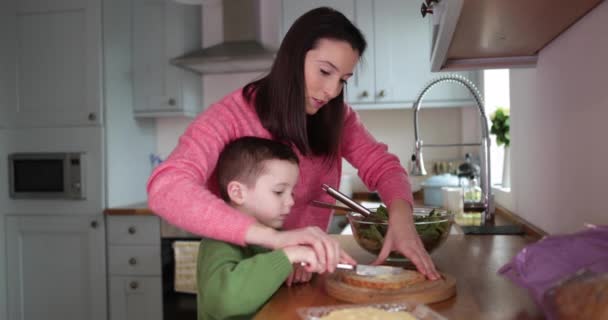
280, 96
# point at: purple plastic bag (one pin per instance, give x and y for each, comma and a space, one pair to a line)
542, 265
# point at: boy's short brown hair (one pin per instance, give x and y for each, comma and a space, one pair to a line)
243, 160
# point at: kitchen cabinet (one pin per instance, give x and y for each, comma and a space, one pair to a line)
134, 259
163, 30
395, 66
3, 261
56, 47
470, 35
57, 267
7, 64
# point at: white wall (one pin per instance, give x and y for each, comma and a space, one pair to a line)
559, 145
396, 129
128, 142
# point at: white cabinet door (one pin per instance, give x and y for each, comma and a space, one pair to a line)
402, 40
395, 66
136, 298
58, 56
361, 85
57, 267
293, 9
163, 30
7, 61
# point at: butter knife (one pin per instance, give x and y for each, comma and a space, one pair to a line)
371, 271
368, 270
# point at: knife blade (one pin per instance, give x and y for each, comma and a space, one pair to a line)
367, 270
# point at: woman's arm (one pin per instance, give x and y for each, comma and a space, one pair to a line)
382, 171
180, 190
377, 168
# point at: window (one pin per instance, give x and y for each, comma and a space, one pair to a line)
496, 89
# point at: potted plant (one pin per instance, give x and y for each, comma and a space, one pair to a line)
500, 128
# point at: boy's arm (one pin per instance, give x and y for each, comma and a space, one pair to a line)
230, 284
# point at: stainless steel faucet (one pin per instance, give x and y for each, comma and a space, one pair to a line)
417, 159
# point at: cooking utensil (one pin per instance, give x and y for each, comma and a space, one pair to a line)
322, 204
346, 200
371, 271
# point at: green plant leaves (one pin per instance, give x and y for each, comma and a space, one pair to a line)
501, 125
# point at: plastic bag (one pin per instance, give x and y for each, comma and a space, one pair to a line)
542, 266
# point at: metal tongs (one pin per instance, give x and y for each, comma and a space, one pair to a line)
346, 200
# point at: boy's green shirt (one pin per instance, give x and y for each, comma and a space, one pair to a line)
234, 282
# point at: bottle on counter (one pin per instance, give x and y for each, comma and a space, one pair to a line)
472, 192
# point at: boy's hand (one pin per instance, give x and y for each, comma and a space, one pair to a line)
299, 275
304, 255
327, 249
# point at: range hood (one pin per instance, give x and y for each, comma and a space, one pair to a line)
235, 27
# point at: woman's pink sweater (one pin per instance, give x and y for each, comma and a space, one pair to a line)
183, 189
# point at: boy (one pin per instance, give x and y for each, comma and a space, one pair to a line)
256, 176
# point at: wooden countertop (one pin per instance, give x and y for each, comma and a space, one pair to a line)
134, 209
472, 260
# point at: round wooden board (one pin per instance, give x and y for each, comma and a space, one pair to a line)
423, 292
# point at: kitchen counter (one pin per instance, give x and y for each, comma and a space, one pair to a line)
134, 209
502, 217
472, 260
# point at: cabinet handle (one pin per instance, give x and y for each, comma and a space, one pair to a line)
94, 224
427, 7
363, 94
131, 230
381, 94
92, 116
134, 285
132, 261
172, 102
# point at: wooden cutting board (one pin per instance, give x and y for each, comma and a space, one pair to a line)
422, 292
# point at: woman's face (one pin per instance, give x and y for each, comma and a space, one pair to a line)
326, 69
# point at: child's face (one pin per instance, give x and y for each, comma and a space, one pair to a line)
271, 198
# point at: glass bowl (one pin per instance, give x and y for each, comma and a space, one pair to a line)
433, 226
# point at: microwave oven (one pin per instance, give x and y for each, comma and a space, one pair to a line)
58, 175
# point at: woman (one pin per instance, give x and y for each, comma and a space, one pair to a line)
300, 102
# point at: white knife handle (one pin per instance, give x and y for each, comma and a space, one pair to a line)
339, 266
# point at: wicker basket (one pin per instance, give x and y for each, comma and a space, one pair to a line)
186, 253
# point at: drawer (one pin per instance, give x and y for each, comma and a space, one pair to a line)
134, 260
133, 230
135, 298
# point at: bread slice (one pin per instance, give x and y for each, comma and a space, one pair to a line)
582, 299
366, 313
383, 282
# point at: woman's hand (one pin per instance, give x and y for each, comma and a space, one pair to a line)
327, 250
403, 238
